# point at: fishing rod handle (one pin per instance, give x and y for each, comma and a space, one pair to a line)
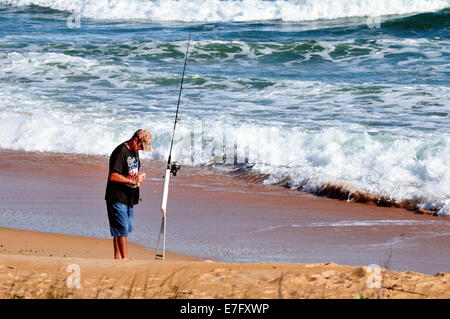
165, 193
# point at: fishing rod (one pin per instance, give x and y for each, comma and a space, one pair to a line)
172, 168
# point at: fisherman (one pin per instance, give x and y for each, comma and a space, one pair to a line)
122, 189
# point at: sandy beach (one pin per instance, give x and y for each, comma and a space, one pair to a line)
226, 237
27, 271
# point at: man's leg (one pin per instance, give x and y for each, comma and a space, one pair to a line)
120, 224
123, 239
122, 245
117, 254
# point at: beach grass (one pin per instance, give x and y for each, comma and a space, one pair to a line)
185, 282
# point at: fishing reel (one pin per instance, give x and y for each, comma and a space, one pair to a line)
174, 167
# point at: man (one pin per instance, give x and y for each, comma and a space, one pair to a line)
122, 189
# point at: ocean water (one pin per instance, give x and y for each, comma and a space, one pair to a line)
346, 97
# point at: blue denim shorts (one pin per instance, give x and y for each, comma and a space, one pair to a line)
120, 218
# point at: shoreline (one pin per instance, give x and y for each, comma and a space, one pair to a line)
219, 217
233, 235
14, 242
89, 274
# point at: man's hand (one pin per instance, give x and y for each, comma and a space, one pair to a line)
140, 178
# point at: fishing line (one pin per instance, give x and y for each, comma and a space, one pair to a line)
172, 168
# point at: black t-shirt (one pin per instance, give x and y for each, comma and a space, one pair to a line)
126, 163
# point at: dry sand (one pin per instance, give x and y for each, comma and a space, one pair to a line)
27, 271
35, 264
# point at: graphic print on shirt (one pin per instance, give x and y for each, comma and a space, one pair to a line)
133, 167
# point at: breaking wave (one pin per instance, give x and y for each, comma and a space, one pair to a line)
234, 10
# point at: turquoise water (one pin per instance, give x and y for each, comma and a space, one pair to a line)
314, 94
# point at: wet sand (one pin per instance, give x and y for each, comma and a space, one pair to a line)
220, 217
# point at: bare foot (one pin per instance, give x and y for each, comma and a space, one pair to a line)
127, 258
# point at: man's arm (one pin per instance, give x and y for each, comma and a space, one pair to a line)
119, 178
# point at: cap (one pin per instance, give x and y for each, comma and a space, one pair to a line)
146, 139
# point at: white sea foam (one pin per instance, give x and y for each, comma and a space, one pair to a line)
402, 154
373, 223
235, 10
246, 54
412, 166
401, 169
356, 223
